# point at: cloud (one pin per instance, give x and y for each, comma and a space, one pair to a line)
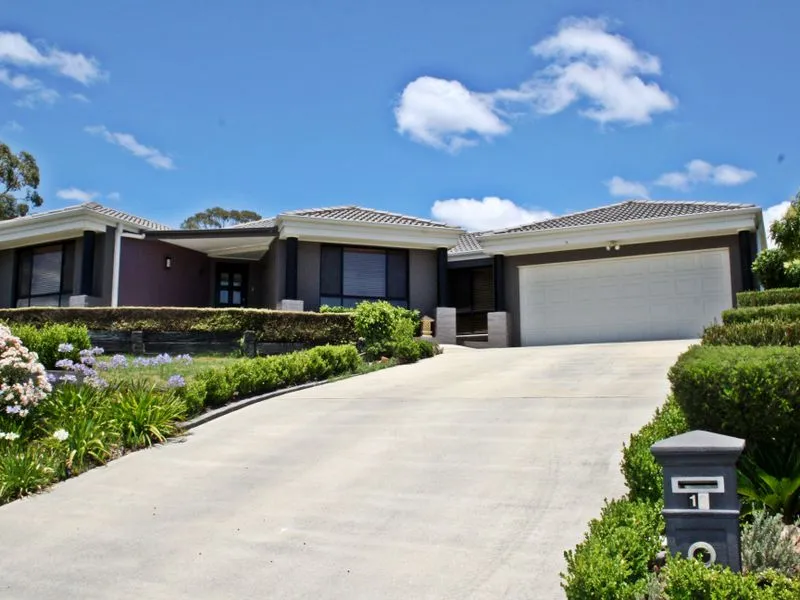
446, 115
700, 171
17, 50
79, 97
587, 65
37, 98
617, 186
151, 156
482, 215
11, 126
114, 196
772, 214
76, 194
35, 91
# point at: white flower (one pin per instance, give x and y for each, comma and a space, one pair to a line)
60, 434
10, 436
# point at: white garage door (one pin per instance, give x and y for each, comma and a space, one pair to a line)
660, 296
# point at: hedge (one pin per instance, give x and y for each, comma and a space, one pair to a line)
45, 341
743, 391
692, 580
643, 475
777, 312
248, 377
769, 297
269, 325
755, 333
612, 560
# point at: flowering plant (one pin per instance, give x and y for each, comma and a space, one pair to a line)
23, 379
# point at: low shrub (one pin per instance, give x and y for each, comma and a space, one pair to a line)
24, 469
146, 414
643, 475
218, 386
23, 380
336, 309
612, 560
46, 340
769, 479
387, 331
747, 392
768, 297
775, 312
269, 325
765, 546
428, 349
754, 333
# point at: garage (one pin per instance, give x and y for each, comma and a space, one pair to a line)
651, 297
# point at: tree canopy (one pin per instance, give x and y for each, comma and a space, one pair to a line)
19, 181
218, 217
779, 267
786, 230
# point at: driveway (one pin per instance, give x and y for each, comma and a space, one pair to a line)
462, 477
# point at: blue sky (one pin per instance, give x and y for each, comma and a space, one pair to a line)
476, 112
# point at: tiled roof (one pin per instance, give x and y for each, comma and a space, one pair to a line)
632, 210
123, 216
467, 244
269, 222
365, 215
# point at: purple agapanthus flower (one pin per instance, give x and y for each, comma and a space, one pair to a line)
118, 361
184, 358
64, 363
141, 361
65, 348
96, 382
176, 381
68, 378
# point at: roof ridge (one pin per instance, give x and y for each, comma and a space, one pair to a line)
696, 202
379, 211
553, 218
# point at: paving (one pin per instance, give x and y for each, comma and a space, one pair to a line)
461, 477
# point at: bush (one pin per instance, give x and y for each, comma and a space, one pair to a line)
747, 392
336, 309
218, 386
768, 297
643, 475
777, 312
269, 325
612, 561
46, 339
775, 270
754, 333
387, 330
23, 470
428, 349
23, 380
146, 415
765, 546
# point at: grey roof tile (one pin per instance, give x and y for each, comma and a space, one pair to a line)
123, 216
631, 210
467, 244
366, 215
268, 222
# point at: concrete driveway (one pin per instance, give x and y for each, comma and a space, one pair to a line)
462, 477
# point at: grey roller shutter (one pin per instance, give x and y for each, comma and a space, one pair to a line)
364, 273
46, 277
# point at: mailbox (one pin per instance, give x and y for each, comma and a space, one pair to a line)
701, 506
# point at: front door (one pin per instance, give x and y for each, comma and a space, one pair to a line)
231, 288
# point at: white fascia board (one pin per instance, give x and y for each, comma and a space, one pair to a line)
331, 231
628, 232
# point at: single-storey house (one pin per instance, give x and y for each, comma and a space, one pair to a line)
634, 270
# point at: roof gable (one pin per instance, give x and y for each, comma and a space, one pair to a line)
365, 215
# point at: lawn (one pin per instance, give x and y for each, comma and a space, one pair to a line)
158, 369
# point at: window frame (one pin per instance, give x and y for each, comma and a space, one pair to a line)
67, 247
342, 297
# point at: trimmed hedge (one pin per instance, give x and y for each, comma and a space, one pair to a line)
45, 340
769, 297
248, 377
691, 580
743, 391
755, 333
269, 325
643, 475
776, 312
612, 560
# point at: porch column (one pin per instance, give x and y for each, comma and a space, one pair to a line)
87, 263
499, 270
498, 320
746, 260
442, 298
445, 315
290, 300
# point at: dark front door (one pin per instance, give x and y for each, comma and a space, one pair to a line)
231, 288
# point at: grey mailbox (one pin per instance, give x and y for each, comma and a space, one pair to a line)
701, 507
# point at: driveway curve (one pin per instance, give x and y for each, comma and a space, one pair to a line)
461, 477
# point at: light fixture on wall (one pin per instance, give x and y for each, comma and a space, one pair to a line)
167, 262
612, 244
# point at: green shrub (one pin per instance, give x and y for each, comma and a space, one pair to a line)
770, 478
24, 469
754, 333
146, 414
774, 269
691, 580
387, 330
428, 349
643, 474
336, 309
612, 561
269, 325
45, 340
768, 297
747, 392
777, 312
765, 547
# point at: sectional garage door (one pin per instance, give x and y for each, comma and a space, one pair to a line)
659, 296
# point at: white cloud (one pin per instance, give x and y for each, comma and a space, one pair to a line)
79, 97
16, 49
39, 97
700, 171
489, 213
617, 186
12, 126
76, 194
152, 156
772, 214
113, 196
587, 65
445, 114
35, 91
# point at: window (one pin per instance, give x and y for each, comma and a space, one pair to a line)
351, 275
45, 275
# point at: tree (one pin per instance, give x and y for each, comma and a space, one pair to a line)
786, 230
779, 267
218, 217
18, 173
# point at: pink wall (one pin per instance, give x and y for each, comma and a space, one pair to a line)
145, 282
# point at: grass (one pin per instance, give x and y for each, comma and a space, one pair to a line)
159, 374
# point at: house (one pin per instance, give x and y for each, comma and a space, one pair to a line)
635, 270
